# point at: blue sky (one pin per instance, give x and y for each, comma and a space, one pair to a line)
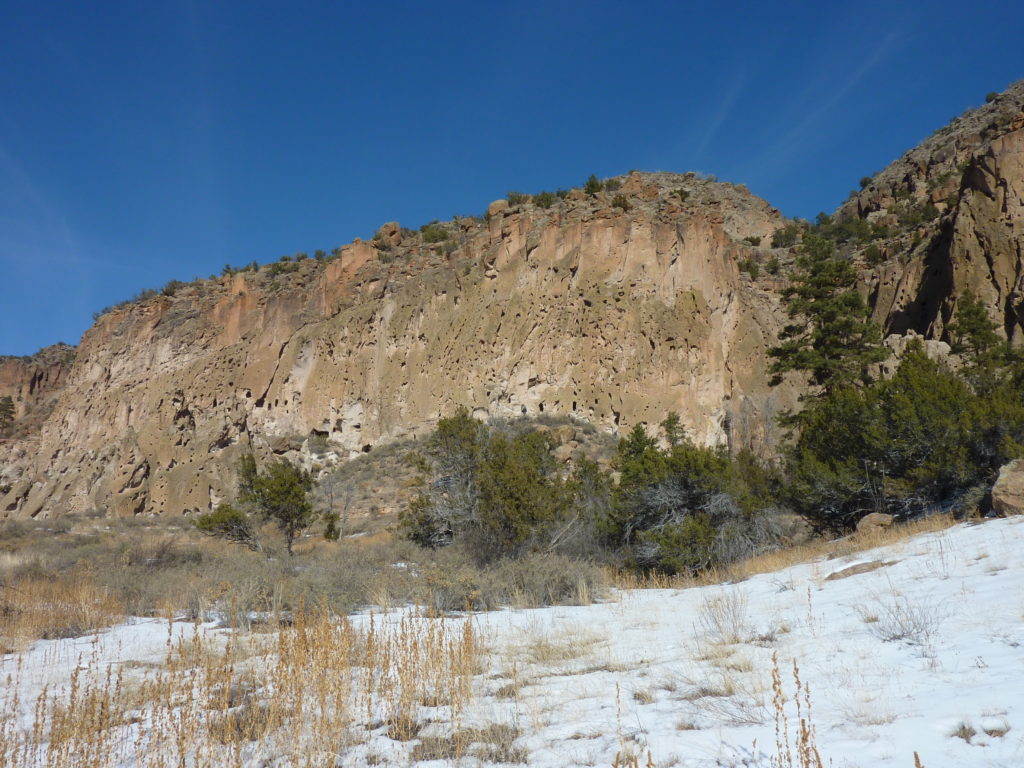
141, 142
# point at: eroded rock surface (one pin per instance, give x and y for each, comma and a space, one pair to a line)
581, 309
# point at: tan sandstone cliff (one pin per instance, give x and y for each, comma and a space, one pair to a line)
582, 309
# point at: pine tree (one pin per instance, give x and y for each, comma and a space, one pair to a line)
6, 412
280, 494
831, 337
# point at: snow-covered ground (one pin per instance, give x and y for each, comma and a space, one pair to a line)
916, 647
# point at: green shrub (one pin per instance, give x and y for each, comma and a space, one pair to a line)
612, 185
545, 199
991, 96
620, 201
786, 236
687, 508
751, 267
433, 233
172, 287
682, 194
517, 198
865, 181
280, 494
873, 255
773, 265
498, 493
228, 522
593, 185
753, 239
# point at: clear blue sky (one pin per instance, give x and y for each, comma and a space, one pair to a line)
141, 142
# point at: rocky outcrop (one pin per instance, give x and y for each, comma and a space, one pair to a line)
955, 204
581, 309
34, 383
1008, 491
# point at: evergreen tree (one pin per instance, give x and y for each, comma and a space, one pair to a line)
831, 338
6, 412
280, 494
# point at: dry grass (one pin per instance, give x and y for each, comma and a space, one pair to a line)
837, 548
724, 618
802, 751
303, 694
48, 608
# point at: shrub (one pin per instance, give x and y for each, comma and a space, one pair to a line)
753, 239
688, 508
873, 255
228, 522
433, 233
498, 493
991, 96
772, 265
786, 236
172, 287
612, 185
544, 199
865, 181
620, 201
682, 194
319, 254
751, 267
593, 185
516, 198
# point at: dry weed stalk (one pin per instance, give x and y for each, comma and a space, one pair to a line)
303, 695
807, 755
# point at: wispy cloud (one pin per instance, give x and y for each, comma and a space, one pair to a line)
795, 139
717, 118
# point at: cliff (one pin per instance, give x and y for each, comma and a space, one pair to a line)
955, 208
583, 308
613, 308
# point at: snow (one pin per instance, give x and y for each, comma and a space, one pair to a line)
922, 642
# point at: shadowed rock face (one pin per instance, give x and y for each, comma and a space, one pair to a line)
972, 171
583, 309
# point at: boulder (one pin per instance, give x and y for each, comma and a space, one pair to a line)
498, 206
873, 522
563, 434
1008, 491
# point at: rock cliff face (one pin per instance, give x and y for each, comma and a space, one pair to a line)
582, 309
613, 310
34, 384
956, 204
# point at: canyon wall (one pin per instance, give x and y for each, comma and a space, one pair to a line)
582, 309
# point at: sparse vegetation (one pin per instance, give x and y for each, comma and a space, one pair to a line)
751, 267
786, 237
433, 233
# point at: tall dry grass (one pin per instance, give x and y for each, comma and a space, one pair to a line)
49, 608
307, 694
